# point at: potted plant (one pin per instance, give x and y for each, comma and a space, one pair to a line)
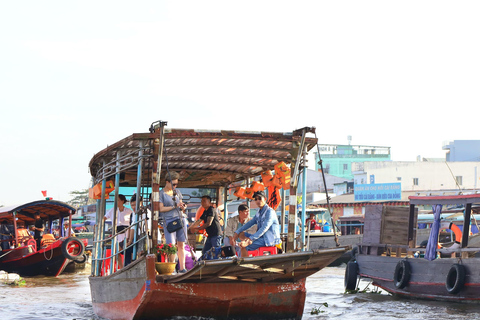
165, 250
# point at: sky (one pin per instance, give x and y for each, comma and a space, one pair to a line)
77, 76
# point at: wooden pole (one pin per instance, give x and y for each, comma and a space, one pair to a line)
158, 146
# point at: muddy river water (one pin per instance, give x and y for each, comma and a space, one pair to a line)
68, 297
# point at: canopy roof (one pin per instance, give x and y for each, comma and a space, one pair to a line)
46, 208
445, 199
202, 158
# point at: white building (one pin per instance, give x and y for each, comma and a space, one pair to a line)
417, 176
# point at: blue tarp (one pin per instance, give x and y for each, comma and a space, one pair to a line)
431, 251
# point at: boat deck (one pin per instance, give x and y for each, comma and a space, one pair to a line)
274, 268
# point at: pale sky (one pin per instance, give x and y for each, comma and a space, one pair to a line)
78, 76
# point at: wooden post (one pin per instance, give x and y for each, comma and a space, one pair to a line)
157, 168
15, 229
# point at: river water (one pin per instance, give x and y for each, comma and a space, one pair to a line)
68, 297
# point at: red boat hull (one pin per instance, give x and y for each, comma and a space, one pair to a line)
48, 262
144, 298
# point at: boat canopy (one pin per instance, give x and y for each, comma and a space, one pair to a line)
47, 209
462, 199
202, 158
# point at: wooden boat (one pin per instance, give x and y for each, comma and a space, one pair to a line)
391, 257
20, 253
262, 287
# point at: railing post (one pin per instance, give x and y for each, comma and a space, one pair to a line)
113, 243
100, 229
304, 197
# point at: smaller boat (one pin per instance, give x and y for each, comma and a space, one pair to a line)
19, 249
392, 258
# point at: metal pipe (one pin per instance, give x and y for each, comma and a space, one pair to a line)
101, 227
282, 217
113, 245
225, 211
137, 202
304, 197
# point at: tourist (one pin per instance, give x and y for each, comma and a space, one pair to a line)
211, 224
143, 228
171, 210
236, 222
311, 221
123, 221
268, 229
38, 229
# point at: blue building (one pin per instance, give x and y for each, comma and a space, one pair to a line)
462, 150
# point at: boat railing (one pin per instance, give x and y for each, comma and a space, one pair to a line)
106, 258
395, 250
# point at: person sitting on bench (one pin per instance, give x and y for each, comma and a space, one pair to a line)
268, 228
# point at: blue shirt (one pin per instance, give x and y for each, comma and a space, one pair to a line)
267, 226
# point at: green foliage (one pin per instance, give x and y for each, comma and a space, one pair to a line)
19, 282
79, 198
167, 249
318, 310
375, 290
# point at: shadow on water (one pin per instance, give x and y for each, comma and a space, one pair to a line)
64, 297
326, 287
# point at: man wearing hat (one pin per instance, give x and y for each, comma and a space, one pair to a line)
268, 229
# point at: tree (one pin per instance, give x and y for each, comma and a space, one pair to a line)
80, 198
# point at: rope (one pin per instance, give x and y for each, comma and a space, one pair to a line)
334, 226
5, 254
455, 179
51, 252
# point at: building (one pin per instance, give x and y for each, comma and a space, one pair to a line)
462, 150
417, 176
414, 177
337, 159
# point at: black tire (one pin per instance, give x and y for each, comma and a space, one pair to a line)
351, 272
82, 259
402, 274
77, 253
455, 279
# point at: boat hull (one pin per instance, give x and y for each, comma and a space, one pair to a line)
427, 278
227, 289
48, 262
134, 295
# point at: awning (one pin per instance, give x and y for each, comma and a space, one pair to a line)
202, 158
46, 208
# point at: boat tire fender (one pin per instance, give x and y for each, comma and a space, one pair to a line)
351, 272
73, 255
82, 259
455, 279
402, 274
32, 243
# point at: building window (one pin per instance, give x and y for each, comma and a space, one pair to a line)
459, 180
415, 181
327, 168
399, 178
345, 167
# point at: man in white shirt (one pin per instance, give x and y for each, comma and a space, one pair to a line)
236, 222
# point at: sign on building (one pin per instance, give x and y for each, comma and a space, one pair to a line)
378, 192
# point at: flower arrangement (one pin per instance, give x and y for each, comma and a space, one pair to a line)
166, 249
